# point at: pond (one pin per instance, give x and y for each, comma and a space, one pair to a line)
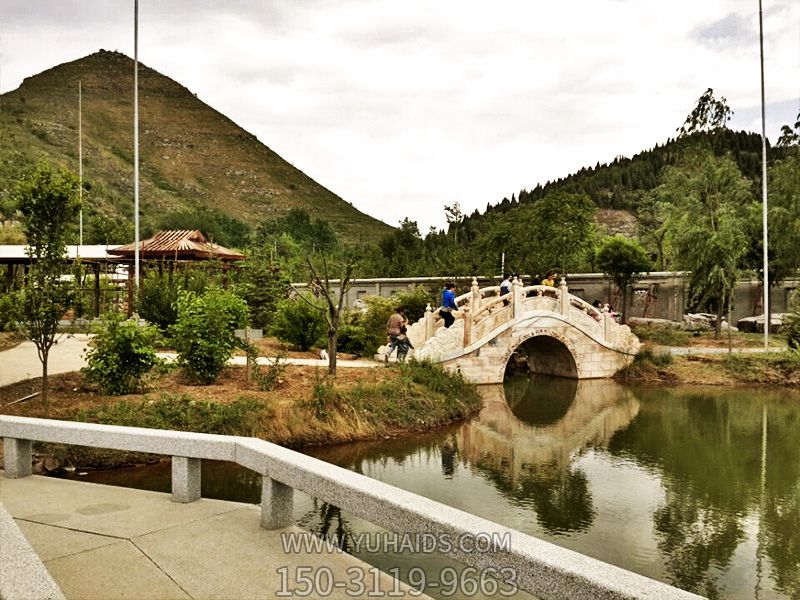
696, 487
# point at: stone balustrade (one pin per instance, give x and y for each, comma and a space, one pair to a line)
541, 568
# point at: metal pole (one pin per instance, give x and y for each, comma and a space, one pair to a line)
765, 240
80, 167
136, 140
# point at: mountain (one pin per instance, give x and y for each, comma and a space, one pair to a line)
195, 163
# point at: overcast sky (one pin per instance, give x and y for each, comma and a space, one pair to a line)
401, 107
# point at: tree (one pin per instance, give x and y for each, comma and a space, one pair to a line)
454, 217
790, 136
709, 114
48, 202
321, 282
622, 259
708, 215
651, 221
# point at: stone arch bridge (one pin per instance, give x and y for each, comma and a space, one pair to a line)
562, 334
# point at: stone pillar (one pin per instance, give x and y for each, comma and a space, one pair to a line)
607, 321
185, 479
467, 326
277, 500
476, 296
516, 298
564, 296
17, 460
429, 323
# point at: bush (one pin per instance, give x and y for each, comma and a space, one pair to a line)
159, 293
791, 322
122, 354
8, 311
262, 284
355, 339
299, 323
414, 302
204, 332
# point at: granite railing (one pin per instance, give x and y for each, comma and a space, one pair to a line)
541, 568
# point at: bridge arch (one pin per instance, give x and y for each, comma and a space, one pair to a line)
548, 354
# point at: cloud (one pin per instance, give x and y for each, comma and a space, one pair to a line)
729, 31
402, 107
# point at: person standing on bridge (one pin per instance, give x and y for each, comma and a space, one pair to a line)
505, 287
448, 304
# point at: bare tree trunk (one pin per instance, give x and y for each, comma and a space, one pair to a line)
332, 351
718, 324
44, 381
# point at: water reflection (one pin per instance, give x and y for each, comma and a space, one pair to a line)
699, 488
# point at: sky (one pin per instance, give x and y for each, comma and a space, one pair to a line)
404, 107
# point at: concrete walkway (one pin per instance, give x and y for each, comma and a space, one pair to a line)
22, 361
106, 542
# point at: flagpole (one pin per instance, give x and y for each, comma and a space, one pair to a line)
136, 140
80, 166
765, 240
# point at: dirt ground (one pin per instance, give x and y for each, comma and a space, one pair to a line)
9, 339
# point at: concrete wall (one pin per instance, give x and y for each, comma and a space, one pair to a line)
660, 295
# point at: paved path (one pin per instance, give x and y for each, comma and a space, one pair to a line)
106, 542
22, 361
686, 350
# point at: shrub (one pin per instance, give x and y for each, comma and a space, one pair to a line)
7, 312
299, 323
159, 293
414, 302
122, 354
204, 332
355, 339
791, 322
262, 284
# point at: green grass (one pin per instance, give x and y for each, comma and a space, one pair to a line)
661, 335
774, 368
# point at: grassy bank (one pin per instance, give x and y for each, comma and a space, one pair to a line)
773, 369
306, 408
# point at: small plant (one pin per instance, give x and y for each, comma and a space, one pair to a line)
122, 354
266, 379
658, 359
324, 397
299, 323
7, 312
204, 332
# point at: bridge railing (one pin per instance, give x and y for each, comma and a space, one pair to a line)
539, 567
481, 304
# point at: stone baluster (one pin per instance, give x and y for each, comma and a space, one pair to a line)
564, 294
277, 501
428, 322
185, 479
516, 297
467, 326
476, 296
17, 459
607, 321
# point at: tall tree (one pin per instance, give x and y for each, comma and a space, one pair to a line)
709, 114
708, 215
49, 206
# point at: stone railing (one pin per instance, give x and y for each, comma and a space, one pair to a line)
541, 568
482, 307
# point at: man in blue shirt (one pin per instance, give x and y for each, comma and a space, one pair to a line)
448, 304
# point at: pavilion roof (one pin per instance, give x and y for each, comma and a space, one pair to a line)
181, 244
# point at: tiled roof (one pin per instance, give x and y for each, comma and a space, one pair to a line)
179, 244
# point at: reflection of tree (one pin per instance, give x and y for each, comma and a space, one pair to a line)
326, 521
693, 538
564, 505
782, 523
707, 448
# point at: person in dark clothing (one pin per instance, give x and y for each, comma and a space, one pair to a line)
448, 304
505, 287
403, 345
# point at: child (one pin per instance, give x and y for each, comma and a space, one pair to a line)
403, 345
